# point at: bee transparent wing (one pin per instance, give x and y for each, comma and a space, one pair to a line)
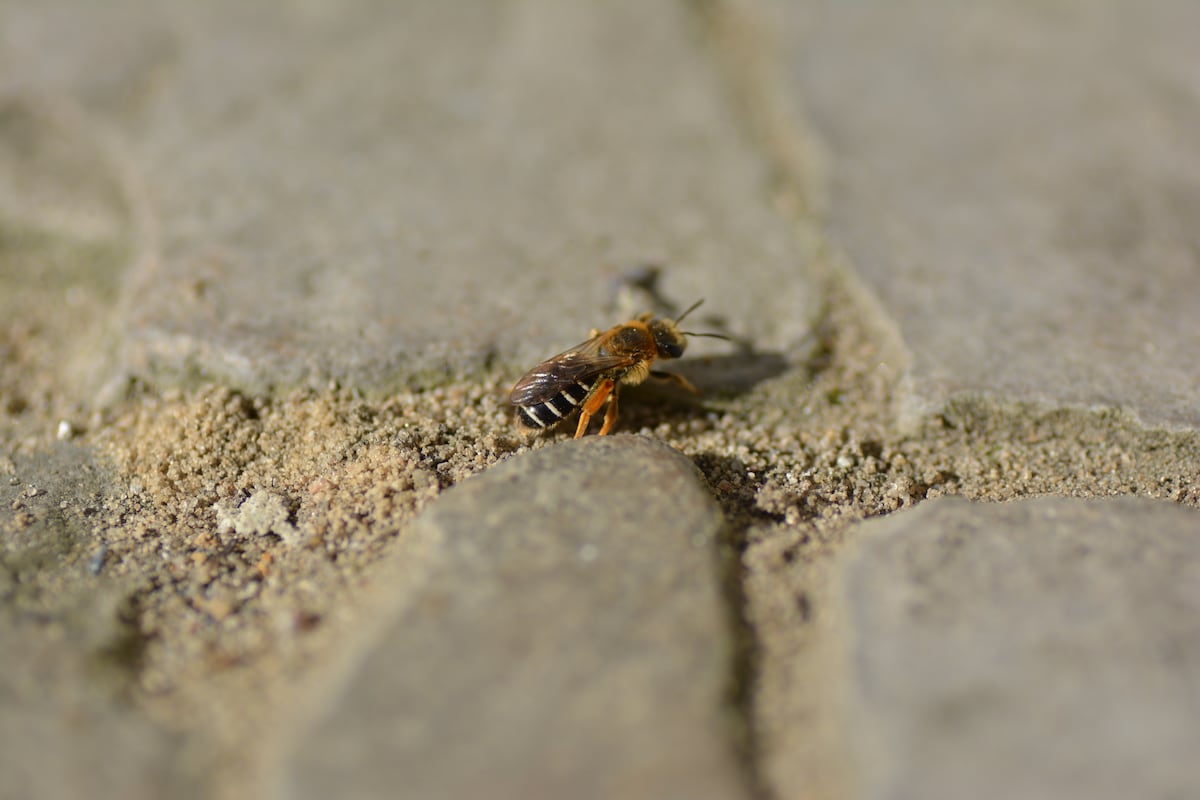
579, 364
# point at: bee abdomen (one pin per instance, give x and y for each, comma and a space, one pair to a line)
549, 413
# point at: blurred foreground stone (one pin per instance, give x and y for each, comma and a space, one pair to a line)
570, 640
1039, 649
67, 728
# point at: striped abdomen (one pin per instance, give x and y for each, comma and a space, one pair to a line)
549, 413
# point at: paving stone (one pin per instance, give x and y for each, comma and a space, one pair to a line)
569, 640
59, 737
381, 192
1041, 649
1018, 184
65, 728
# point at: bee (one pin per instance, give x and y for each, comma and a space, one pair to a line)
592, 373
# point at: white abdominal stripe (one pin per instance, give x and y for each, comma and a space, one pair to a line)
550, 412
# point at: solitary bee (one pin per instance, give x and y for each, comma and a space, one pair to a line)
591, 373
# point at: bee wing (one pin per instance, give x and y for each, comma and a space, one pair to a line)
568, 367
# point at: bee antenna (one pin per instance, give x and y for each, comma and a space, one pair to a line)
709, 335
691, 308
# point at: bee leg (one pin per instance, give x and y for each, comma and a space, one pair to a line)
679, 380
584, 418
610, 416
592, 404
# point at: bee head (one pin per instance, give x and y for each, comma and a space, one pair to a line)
669, 340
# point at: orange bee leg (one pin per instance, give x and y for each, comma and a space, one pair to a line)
610, 416
592, 404
679, 380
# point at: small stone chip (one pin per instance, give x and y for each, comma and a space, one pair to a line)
261, 513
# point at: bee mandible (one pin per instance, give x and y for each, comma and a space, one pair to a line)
592, 373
